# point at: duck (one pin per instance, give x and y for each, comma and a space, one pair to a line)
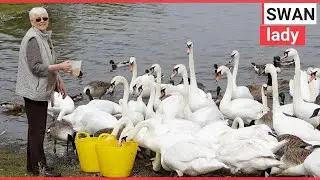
217, 98
278, 62
245, 108
96, 89
283, 124
114, 65
62, 131
259, 68
13, 107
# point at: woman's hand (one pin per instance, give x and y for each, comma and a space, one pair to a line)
65, 66
60, 86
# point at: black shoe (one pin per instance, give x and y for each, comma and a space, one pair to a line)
48, 173
48, 168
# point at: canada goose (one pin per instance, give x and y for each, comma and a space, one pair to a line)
63, 131
293, 142
96, 89
266, 118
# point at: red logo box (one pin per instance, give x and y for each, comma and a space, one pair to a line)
282, 35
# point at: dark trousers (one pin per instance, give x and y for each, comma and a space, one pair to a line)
37, 119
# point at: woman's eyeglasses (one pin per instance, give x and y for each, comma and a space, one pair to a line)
44, 19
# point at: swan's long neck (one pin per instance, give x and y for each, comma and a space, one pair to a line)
193, 81
185, 84
140, 98
228, 94
158, 87
134, 75
149, 110
185, 95
125, 98
275, 92
236, 122
264, 99
297, 98
235, 70
121, 122
138, 127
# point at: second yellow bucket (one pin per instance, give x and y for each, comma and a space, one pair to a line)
87, 153
115, 160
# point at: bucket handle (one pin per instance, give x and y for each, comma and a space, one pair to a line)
87, 135
106, 136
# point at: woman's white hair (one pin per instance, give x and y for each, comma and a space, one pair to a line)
36, 11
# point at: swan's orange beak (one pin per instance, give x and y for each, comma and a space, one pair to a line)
218, 76
131, 67
312, 77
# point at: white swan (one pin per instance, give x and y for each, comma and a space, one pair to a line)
202, 116
238, 91
196, 100
283, 124
302, 110
156, 69
60, 105
246, 109
105, 105
126, 111
159, 137
133, 68
192, 158
90, 119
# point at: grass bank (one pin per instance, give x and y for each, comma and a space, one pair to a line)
14, 164
8, 11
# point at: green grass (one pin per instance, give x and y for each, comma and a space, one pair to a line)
14, 164
9, 10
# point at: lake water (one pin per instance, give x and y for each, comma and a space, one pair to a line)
153, 33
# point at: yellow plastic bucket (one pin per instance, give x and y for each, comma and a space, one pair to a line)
115, 160
87, 153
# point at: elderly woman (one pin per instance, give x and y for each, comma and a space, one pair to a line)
37, 79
